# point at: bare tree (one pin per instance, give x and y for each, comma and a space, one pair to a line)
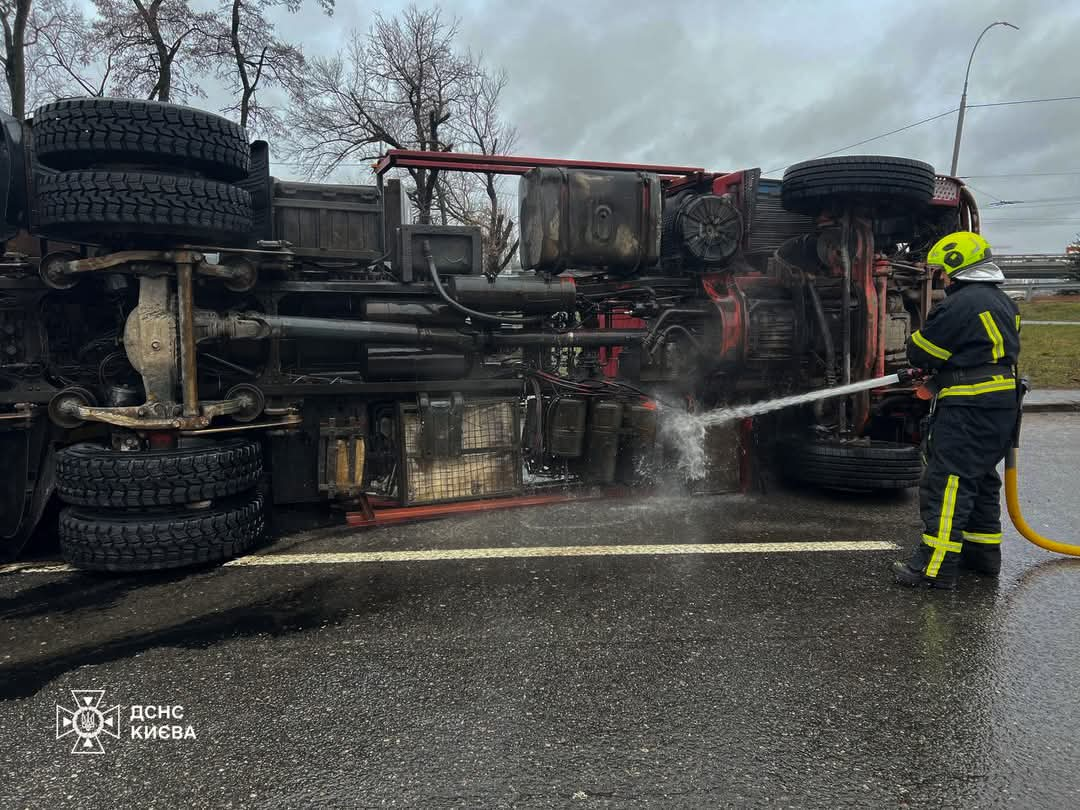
66, 57
59, 57
250, 57
398, 86
477, 199
15, 16
159, 47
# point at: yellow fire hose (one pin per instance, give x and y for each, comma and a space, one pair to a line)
1012, 499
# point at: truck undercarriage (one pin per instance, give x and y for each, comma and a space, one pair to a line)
187, 340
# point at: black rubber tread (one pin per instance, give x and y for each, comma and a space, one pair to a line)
888, 182
93, 475
131, 541
852, 481
103, 205
84, 133
849, 466
861, 163
829, 174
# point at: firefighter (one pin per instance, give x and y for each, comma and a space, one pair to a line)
970, 342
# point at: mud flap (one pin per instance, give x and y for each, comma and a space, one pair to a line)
26, 484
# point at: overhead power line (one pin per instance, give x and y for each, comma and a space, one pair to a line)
1069, 199
876, 137
928, 120
987, 193
1025, 101
1027, 221
1026, 206
1023, 174
1066, 198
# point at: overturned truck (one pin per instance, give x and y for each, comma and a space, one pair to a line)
185, 340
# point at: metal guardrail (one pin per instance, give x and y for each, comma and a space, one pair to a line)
1031, 287
1039, 265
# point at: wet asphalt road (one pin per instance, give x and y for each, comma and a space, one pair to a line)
779, 680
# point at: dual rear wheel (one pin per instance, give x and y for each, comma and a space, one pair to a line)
140, 172
154, 510
125, 172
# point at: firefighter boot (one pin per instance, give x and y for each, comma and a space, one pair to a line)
982, 558
913, 573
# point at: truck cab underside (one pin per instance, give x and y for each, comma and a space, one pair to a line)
185, 339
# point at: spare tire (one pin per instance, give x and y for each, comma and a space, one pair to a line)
101, 206
157, 541
94, 475
885, 184
87, 133
858, 465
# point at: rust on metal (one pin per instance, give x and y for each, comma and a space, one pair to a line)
61, 270
26, 413
370, 518
150, 336
511, 164
293, 421
189, 373
157, 415
122, 257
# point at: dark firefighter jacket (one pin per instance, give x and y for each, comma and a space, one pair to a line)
971, 341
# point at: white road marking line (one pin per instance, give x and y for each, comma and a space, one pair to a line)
36, 568
424, 555
452, 554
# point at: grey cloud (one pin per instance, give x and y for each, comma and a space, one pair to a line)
728, 85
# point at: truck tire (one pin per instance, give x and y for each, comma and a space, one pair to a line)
854, 466
86, 133
94, 475
158, 541
886, 184
105, 206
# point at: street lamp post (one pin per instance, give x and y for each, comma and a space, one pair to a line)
963, 96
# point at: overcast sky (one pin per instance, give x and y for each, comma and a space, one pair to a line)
729, 84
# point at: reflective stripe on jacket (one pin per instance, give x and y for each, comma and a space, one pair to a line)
975, 325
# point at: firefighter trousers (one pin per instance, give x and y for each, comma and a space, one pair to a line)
959, 497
